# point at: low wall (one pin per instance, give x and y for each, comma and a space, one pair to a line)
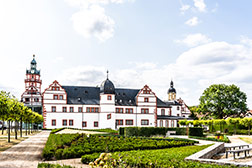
205, 156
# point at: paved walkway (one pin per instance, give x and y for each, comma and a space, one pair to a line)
26, 154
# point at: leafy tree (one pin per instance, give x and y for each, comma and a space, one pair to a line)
234, 122
194, 111
182, 122
247, 122
222, 101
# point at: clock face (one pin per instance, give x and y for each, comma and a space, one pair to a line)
32, 71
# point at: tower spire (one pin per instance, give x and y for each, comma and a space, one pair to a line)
107, 73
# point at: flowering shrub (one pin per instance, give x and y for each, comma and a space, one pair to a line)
105, 160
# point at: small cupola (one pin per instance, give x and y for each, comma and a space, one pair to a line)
171, 92
107, 87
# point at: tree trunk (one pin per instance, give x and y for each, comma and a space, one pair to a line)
21, 127
3, 128
9, 131
16, 129
29, 126
235, 129
26, 128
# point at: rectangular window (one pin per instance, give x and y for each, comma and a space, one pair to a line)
109, 97
108, 116
146, 92
79, 109
53, 122
27, 99
53, 108
61, 97
162, 112
93, 109
55, 88
170, 112
161, 123
119, 110
146, 99
64, 109
64, 122
129, 110
55, 97
84, 124
144, 122
36, 99
71, 123
129, 122
177, 107
144, 111
71, 109
178, 115
172, 123
96, 124
119, 122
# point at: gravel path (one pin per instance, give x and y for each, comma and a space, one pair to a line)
26, 154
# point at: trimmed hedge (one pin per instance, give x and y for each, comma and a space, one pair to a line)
64, 146
48, 165
149, 131
226, 140
172, 157
196, 131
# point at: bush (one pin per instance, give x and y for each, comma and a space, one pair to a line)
195, 131
149, 131
64, 146
48, 165
226, 140
172, 157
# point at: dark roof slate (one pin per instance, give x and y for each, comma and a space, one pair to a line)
91, 96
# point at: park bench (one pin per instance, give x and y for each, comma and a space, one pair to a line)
170, 132
242, 148
236, 146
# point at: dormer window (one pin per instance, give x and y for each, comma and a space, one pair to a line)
146, 99
79, 99
109, 97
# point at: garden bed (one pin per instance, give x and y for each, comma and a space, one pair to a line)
172, 157
64, 146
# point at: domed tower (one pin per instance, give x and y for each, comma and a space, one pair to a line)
32, 96
171, 92
107, 87
107, 104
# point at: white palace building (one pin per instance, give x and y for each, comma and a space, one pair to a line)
86, 107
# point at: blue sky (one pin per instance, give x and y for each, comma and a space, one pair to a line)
194, 42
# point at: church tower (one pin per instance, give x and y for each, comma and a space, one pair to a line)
32, 96
171, 92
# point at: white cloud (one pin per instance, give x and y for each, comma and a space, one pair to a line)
93, 22
184, 8
200, 5
193, 40
193, 71
192, 22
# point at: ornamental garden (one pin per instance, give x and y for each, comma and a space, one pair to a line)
223, 112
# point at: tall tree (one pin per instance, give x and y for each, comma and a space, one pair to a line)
222, 101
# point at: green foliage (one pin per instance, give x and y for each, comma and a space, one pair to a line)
222, 101
63, 146
172, 157
48, 165
196, 131
151, 131
56, 130
106, 160
226, 140
182, 122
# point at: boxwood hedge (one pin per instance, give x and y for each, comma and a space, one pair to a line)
63, 146
172, 157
